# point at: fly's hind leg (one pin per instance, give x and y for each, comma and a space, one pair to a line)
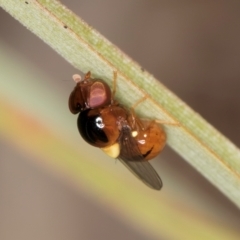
134, 119
162, 122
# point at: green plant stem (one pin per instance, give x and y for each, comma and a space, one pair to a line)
213, 155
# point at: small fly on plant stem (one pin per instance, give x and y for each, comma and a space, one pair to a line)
104, 123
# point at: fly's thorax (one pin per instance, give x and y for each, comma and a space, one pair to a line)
100, 127
115, 115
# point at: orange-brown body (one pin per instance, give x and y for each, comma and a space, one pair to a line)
106, 124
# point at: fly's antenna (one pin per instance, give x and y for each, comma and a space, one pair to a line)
76, 78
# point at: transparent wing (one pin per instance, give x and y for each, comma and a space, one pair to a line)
131, 157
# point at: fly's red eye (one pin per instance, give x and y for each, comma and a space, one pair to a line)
99, 94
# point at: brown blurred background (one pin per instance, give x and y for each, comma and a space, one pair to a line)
191, 46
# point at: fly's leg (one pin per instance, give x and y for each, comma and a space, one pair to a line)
135, 120
162, 122
114, 87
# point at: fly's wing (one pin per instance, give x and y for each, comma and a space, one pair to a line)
132, 158
145, 172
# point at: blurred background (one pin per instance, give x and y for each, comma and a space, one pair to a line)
193, 48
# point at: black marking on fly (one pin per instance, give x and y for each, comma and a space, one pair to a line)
147, 153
